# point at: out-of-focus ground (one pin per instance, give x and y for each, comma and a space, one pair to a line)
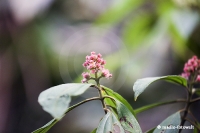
44, 43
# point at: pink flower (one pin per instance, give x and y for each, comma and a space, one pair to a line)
99, 55
95, 64
185, 75
84, 80
103, 62
106, 73
198, 78
92, 53
191, 67
86, 75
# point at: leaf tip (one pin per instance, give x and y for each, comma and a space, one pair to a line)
135, 98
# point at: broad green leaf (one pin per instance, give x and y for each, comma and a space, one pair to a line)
127, 119
144, 108
109, 123
141, 84
118, 11
94, 131
46, 127
172, 121
55, 100
117, 96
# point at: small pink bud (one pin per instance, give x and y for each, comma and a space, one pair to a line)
99, 60
185, 69
106, 73
185, 75
194, 57
87, 57
98, 66
94, 57
198, 78
92, 53
84, 80
93, 71
91, 58
85, 64
110, 76
86, 75
90, 61
195, 64
103, 62
99, 55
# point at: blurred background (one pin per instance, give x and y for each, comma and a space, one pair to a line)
44, 43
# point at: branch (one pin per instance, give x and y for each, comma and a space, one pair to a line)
141, 109
82, 102
193, 123
195, 100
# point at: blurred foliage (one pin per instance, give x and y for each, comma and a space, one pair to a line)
143, 17
156, 38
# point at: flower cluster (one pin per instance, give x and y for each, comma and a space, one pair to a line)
95, 64
191, 67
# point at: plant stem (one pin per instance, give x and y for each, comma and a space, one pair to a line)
195, 120
189, 97
100, 93
195, 100
82, 102
193, 123
109, 97
186, 110
141, 109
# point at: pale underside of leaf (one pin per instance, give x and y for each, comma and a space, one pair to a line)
109, 124
56, 100
172, 120
127, 119
141, 84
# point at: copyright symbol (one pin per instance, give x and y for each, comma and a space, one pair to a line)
159, 127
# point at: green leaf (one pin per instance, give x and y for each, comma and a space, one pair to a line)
118, 11
173, 120
197, 91
109, 123
196, 127
141, 84
144, 108
55, 100
46, 127
127, 119
150, 130
195, 130
94, 131
117, 96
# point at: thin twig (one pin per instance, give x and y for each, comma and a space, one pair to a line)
193, 123
192, 116
141, 109
108, 97
189, 96
82, 102
195, 100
